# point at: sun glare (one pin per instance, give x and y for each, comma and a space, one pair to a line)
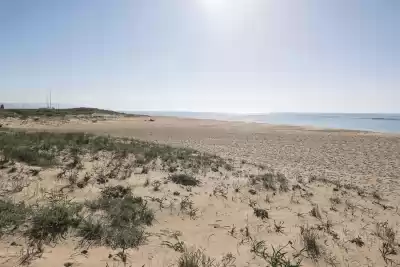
213, 4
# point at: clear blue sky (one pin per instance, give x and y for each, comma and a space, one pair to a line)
203, 55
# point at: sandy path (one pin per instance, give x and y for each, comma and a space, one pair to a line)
369, 159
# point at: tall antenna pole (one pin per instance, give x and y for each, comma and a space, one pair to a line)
50, 98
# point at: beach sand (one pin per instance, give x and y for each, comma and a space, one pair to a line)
351, 178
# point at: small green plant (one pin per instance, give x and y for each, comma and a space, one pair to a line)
178, 246
195, 258
184, 179
279, 227
278, 259
261, 213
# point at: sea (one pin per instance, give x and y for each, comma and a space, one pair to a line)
375, 122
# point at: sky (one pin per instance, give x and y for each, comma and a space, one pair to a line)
238, 56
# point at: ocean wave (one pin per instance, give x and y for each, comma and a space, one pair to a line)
384, 119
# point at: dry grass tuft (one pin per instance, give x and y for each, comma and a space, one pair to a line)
309, 237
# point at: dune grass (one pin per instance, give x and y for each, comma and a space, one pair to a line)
43, 148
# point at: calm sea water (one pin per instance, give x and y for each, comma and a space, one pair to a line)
366, 122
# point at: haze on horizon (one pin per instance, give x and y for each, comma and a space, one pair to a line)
240, 56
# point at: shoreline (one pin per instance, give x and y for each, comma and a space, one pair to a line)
338, 121
287, 126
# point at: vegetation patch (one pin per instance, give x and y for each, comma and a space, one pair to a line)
53, 221
12, 215
123, 221
268, 180
184, 179
43, 148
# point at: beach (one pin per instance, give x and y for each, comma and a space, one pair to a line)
365, 158
342, 184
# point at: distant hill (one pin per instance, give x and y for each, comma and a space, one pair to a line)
45, 112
